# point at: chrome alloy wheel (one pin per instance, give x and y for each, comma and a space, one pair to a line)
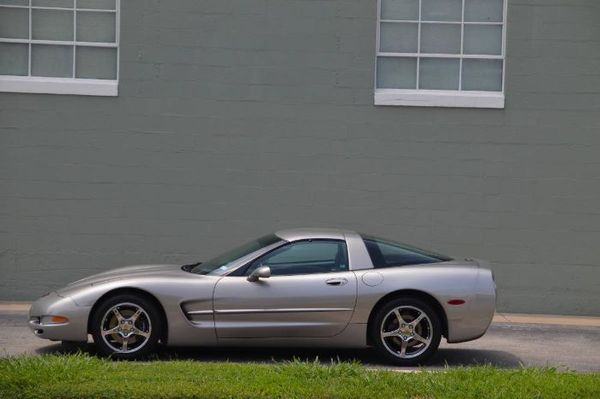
406, 332
126, 327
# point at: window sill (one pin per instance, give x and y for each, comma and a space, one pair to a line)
43, 85
439, 98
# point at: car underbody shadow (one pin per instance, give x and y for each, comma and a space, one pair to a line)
473, 357
368, 357
66, 348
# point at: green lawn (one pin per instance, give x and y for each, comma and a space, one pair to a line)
83, 376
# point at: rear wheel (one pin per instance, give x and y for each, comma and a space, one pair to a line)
126, 327
406, 331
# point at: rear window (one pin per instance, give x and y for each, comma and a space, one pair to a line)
385, 253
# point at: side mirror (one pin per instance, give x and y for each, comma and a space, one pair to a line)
260, 272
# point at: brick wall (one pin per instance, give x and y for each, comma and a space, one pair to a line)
236, 118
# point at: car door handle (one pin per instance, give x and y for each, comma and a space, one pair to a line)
336, 281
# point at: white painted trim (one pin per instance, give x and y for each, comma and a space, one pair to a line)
60, 42
442, 55
377, 42
409, 21
439, 98
504, 26
462, 46
57, 8
33, 84
118, 36
419, 29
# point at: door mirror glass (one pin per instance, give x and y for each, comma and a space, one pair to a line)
260, 272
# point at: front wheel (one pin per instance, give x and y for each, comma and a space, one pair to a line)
126, 327
406, 331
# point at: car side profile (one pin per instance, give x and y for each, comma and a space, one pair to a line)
298, 287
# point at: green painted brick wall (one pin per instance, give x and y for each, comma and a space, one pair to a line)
238, 117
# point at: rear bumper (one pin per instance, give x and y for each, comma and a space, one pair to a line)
480, 312
75, 329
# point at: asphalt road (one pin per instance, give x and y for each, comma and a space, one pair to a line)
506, 344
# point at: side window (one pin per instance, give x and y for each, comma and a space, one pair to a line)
388, 254
305, 257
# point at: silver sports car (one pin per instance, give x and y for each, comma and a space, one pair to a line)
300, 287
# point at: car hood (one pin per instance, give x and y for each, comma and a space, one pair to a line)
126, 272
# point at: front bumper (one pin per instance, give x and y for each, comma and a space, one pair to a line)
75, 329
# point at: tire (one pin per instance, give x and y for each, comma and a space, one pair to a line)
406, 343
135, 331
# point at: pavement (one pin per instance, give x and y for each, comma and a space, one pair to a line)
512, 341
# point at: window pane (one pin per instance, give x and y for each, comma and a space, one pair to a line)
440, 38
483, 39
96, 4
96, 63
13, 59
15, 2
398, 37
305, 257
386, 253
482, 75
439, 73
14, 23
483, 10
52, 25
400, 9
50, 60
390, 255
95, 27
52, 3
441, 10
396, 73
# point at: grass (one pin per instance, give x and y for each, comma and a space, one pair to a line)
84, 376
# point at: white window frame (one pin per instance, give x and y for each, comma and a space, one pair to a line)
73, 85
442, 98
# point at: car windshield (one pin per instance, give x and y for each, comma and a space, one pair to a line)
223, 262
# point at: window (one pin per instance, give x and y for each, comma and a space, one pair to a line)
441, 53
385, 253
223, 263
59, 46
305, 257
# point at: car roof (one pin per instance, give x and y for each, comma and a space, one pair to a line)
314, 233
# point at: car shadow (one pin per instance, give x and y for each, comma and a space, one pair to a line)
445, 357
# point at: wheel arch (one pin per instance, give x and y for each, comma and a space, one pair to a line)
133, 291
408, 293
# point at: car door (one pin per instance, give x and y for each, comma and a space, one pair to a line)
310, 293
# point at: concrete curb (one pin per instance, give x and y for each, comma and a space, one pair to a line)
509, 318
524, 318
14, 306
